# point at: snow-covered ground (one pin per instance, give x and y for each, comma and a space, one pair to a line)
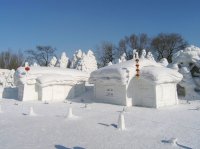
95, 127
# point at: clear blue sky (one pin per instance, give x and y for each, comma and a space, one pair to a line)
69, 25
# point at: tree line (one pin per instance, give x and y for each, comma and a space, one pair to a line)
163, 45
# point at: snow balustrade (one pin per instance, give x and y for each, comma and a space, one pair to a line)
49, 83
117, 84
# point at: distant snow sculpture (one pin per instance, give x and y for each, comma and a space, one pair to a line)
143, 55
135, 54
121, 121
150, 56
85, 62
7, 77
63, 60
123, 57
35, 64
26, 64
119, 61
53, 61
110, 63
164, 62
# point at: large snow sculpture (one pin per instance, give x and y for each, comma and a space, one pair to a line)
117, 84
49, 83
53, 61
63, 60
188, 61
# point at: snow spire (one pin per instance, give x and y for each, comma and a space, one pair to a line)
121, 122
63, 60
143, 56
53, 61
69, 114
32, 113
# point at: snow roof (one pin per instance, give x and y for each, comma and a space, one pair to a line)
123, 72
49, 73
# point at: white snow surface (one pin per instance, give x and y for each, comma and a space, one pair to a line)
96, 127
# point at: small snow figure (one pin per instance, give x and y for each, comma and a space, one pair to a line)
69, 115
32, 113
121, 121
110, 63
123, 57
143, 54
1, 110
150, 56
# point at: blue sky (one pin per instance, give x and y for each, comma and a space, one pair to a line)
69, 25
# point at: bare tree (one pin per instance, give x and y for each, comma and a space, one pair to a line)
167, 44
128, 44
41, 55
105, 53
10, 60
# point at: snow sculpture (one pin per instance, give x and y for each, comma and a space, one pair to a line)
74, 61
143, 55
123, 57
188, 83
32, 113
49, 83
150, 56
7, 77
117, 84
35, 64
188, 61
26, 64
1, 109
110, 63
53, 61
164, 62
69, 114
85, 62
119, 61
63, 60
121, 122
134, 54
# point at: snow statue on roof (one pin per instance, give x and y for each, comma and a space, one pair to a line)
150, 56
164, 62
143, 55
63, 60
53, 61
189, 58
26, 64
134, 54
123, 57
109, 64
35, 64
